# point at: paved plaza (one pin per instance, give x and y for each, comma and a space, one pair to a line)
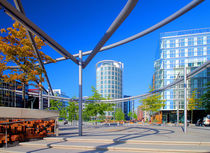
130, 138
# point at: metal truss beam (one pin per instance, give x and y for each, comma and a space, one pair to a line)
191, 74
169, 19
114, 26
11, 11
20, 8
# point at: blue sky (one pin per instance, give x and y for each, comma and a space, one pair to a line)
79, 25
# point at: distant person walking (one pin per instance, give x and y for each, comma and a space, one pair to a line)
142, 121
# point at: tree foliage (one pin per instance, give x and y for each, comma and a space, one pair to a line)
132, 115
152, 103
58, 105
205, 98
72, 111
119, 115
92, 110
193, 103
16, 50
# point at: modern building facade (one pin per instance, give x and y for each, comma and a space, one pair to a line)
60, 93
179, 49
109, 80
127, 107
9, 97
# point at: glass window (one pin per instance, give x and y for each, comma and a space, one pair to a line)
190, 41
172, 53
190, 64
208, 39
190, 52
200, 40
172, 43
164, 42
200, 51
181, 42
208, 50
182, 52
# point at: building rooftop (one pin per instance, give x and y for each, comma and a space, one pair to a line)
185, 32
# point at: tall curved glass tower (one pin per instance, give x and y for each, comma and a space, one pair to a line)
109, 79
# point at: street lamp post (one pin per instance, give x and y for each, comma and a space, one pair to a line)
185, 100
80, 93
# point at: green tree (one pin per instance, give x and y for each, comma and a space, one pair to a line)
205, 98
16, 49
135, 116
58, 105
119, 115
72, 111
130, 114
193, 103
92, 110
96, 95
152, 103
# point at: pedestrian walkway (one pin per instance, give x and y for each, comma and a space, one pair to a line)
121, 139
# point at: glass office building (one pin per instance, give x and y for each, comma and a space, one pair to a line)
190, 49
109, 79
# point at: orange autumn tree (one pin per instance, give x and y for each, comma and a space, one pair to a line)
16, 49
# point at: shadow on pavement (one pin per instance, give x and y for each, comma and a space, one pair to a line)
131, 136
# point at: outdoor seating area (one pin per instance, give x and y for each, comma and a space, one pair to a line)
13, 130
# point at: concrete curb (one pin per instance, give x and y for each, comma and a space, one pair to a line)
100, 148
8, 151
130, 141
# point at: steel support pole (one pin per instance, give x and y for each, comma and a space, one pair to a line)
185, 100
40, 97
80, 93
48, 100
177, 113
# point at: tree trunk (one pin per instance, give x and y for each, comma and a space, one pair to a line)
23, 95
191, 116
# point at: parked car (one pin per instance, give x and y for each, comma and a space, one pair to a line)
199, 122
206, 120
